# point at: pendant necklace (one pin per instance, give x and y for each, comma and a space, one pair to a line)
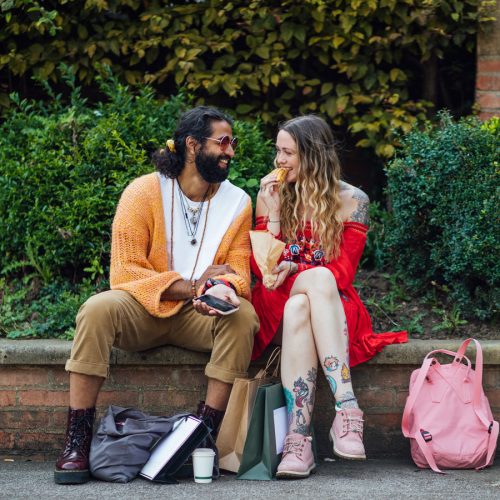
192, 222
171, 256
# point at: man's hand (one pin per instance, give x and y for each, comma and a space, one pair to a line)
222, 292
212, 271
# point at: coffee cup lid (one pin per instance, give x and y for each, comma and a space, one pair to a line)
207, 452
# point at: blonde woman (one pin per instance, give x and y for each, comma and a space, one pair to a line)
312, 307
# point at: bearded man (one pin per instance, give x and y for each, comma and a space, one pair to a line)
177, 233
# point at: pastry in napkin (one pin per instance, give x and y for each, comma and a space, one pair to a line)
266, 252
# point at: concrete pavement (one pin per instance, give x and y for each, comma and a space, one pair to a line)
393, 478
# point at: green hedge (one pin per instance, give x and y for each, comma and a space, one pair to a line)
62, 170
368, 65
444, 232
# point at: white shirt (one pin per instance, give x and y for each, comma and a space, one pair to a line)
225, 206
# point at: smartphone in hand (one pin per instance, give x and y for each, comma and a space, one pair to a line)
221, 306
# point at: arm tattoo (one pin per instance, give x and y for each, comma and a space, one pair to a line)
344, 186
361, 212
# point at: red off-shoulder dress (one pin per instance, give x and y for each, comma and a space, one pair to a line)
269, 304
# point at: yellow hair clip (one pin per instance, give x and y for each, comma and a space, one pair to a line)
171, 145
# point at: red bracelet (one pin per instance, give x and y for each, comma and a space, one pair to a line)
219, 281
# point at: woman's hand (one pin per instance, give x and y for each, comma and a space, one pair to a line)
269, 193
284, 269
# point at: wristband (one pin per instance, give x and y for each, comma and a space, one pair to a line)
193, 288
212, 282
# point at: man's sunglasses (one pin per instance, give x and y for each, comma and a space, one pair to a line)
225, 141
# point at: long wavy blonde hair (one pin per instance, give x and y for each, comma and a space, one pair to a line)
317, 186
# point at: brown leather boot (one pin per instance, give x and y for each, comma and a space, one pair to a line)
72, 466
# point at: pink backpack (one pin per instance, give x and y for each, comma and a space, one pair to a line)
447, 416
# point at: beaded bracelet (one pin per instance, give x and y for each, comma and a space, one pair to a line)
193, 288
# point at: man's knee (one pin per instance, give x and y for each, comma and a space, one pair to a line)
245, 319
101, 307
241, 325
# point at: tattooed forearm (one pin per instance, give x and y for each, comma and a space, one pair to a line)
361, 212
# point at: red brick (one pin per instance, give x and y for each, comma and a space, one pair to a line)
397, 377
488, 82
386, 421
7, 440
59, 378
25, 419
22, 377
43, 398
179, 378
488, 100
493, 396
43, 441
7, 398
171, 399
491, 377
119, 398
488, 65
59, 419
401, 397
377, 398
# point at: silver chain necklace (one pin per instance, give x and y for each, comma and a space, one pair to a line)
192, 222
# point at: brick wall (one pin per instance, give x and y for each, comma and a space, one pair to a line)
33, 401
488, 68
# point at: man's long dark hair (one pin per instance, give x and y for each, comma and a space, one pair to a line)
196, 123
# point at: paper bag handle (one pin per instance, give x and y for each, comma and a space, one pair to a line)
275, 357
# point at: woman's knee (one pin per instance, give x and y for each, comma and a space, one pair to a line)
319, 280
297, 309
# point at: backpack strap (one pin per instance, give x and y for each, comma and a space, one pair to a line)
478, 378
492, 443
419, 382
424, 445
426, 448
492, 426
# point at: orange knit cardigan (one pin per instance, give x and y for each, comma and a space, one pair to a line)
139, 261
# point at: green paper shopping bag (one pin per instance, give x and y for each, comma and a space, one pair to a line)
266, 434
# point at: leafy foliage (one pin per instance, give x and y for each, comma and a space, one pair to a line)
363, 64
443, 234
63, 168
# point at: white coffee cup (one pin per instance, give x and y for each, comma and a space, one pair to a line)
203, 464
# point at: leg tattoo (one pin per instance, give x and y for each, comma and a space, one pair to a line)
302, 402
289, 404
348, 401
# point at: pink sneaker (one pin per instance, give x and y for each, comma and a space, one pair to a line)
346, 434
298, 459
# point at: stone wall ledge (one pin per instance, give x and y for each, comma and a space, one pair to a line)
56, 352
34, 391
